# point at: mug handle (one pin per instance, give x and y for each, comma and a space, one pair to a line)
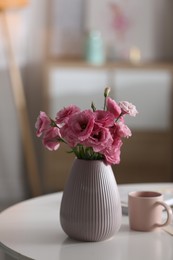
168, 211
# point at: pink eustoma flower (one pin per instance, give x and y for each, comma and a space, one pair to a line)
99, 139
51, 139
80, 125
42, 124
123, 130
68, 136
113, 107
104, 118
91, 134
112, 153
64, 114
120, 130
128, 108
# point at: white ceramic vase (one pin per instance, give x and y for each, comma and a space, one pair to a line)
90, 207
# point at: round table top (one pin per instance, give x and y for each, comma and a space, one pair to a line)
31, 230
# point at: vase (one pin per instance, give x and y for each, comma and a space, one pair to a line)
90, 207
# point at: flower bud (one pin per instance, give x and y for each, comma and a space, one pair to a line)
93, 107
107, 91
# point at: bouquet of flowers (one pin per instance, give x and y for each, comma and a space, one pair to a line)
91, 134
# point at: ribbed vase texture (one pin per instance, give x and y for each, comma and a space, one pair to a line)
90, 207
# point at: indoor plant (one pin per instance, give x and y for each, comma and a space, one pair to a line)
90, 207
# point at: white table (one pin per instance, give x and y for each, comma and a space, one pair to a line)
31, 230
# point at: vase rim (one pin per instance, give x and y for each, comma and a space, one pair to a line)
85, 160
88, 159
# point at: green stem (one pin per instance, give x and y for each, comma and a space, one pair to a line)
119, 117
104, 108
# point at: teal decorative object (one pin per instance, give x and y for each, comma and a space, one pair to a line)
94, 48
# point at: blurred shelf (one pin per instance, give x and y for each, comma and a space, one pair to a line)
79, 63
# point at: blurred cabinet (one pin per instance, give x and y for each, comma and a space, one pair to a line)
147, 156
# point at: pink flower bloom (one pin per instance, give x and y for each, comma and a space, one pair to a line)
68, 136
91, 134
99, 139
51, 139
80, 125
128, 108
121, 130
112, 153
104, 118
42, 124
113, 107
64, 114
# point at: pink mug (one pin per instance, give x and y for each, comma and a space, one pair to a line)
145, 210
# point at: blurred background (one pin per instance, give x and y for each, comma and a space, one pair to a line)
57, 52
66, 53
